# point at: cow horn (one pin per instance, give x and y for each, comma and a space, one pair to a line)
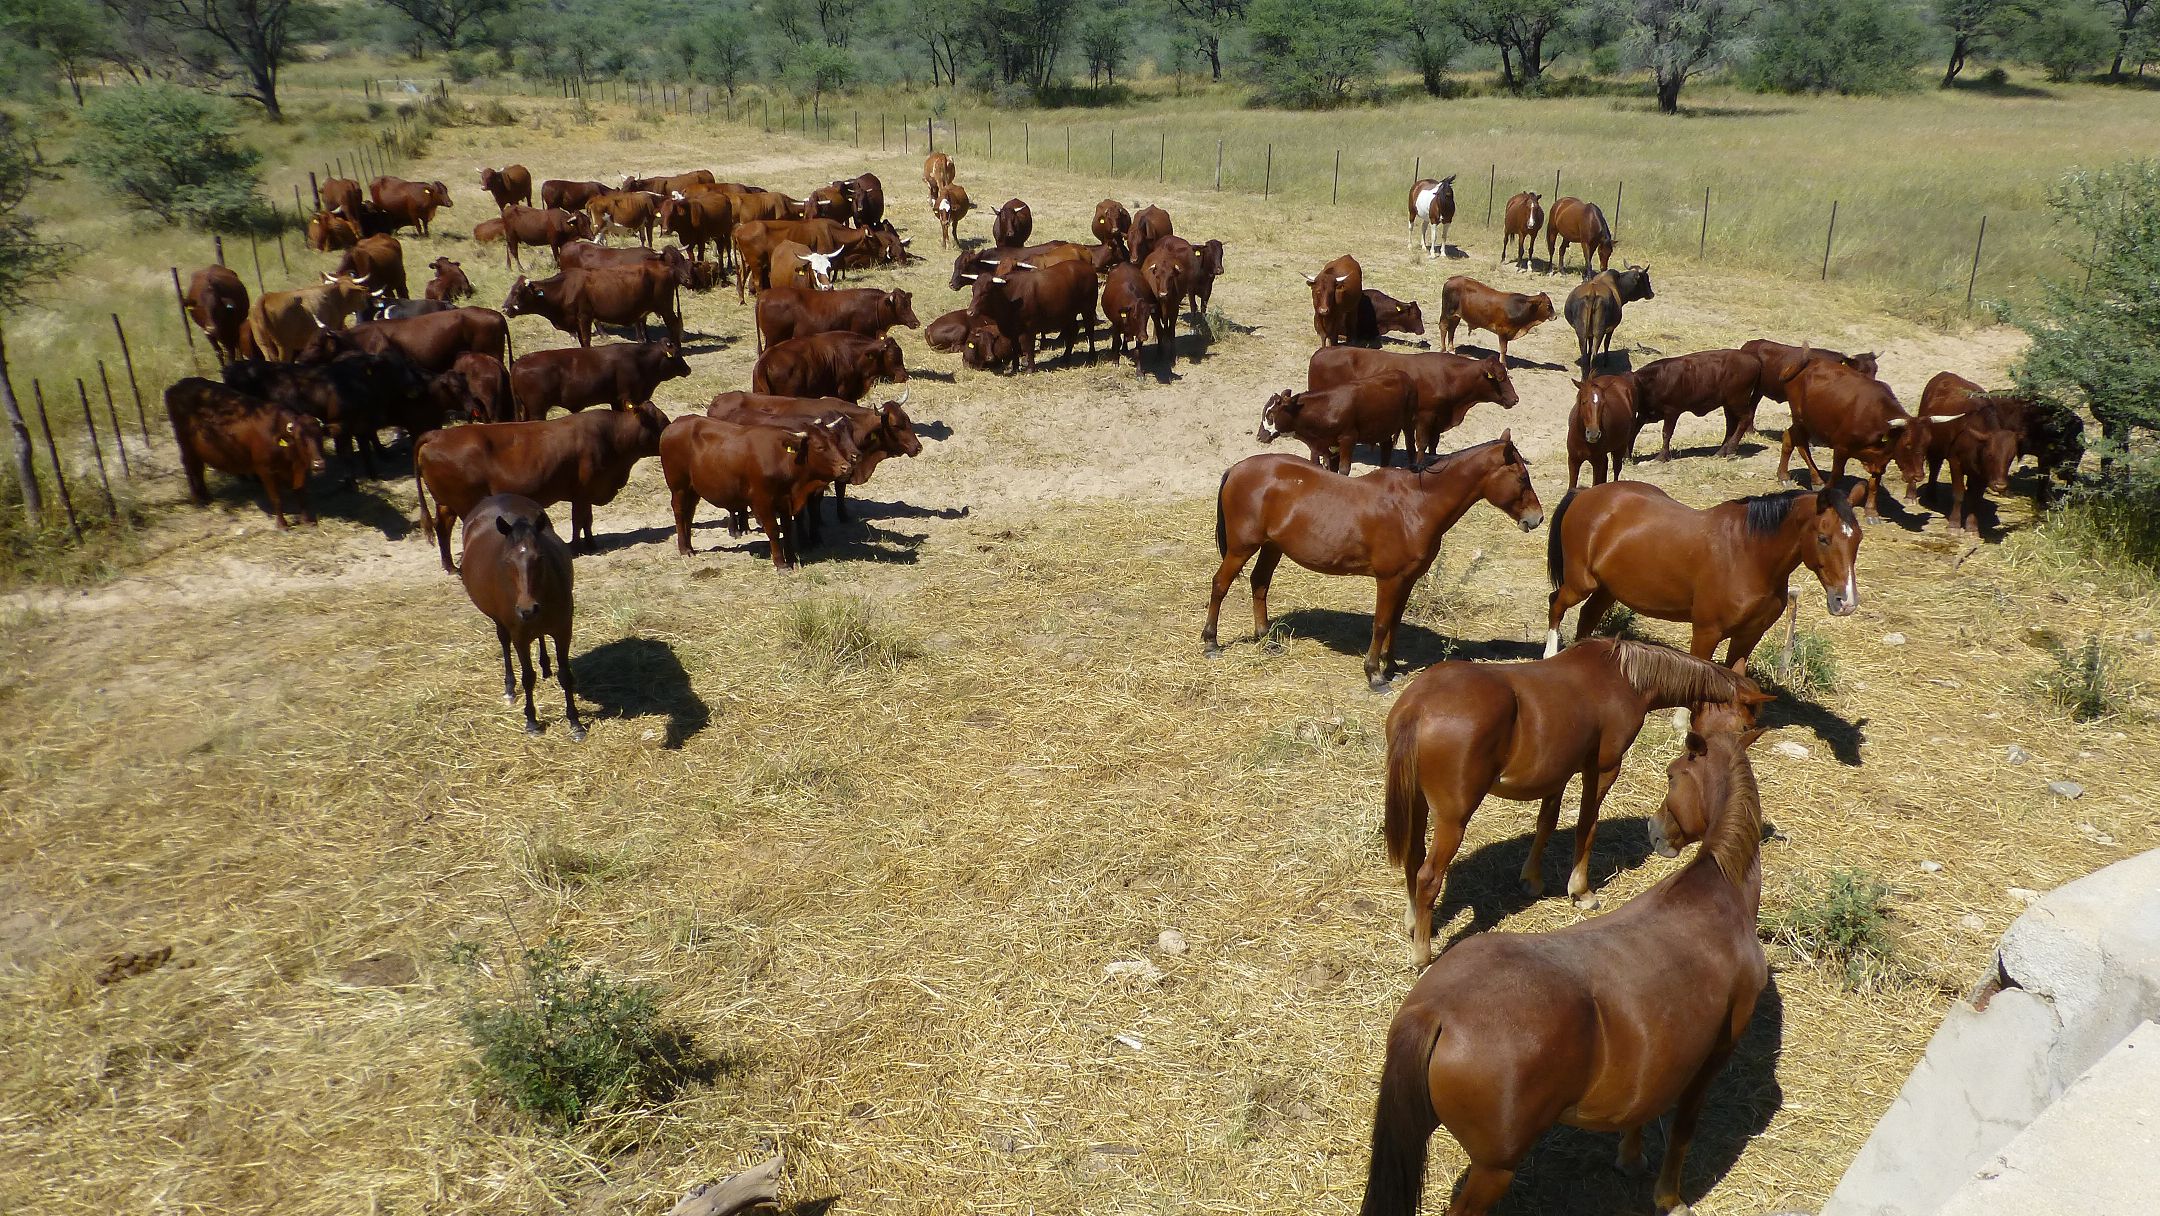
1342, 278
998, 279
1024, 265
800, 434
1899, 424
1312, 278
967, 278
903, 397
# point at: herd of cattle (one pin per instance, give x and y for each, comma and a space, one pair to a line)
336, 363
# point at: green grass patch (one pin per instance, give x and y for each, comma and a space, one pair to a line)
1840, 920
2086, 681
1810, 671
845, 633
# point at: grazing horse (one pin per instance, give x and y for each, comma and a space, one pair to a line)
1432, 205
1574, 221
1722, 569
1604, 1024
517, 572
1601, 427
1525, 215
1386, 524
1856, 415
1463, 731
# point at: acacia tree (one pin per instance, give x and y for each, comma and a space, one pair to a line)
67, 33
1431, 40
447, 21
257, 35
1205, 24
2126, 28
1973, 25
1677, 39
1519, 30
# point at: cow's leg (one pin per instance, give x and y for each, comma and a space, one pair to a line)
685, 501
1387, 614
198, 486
277, 504
502, 638
839, 502
307, 504
569, 685
525, 670
1957, 497
1234, 559
1263, 574
769, 524
1595, 785
581, 523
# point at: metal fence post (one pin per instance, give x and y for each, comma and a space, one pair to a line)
97, 450
1827, 238
1975, 278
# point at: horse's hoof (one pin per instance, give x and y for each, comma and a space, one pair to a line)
1586, 903
1533, 887
1211, 650
1380, 684
1679, 1209
510, 699
1633, 1167
531, 727
577, 733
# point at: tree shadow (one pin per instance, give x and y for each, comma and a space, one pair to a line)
2001, 88
1572, 1170
1842, 737
637, 677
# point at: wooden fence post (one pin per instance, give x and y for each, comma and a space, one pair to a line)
1492, 183
1113, 150
140, 416
1827, 238
1619, 193
255, 251
1335, 193
97, 450
187, 327
25, 455
112, 411
1971, 282
314, 189
1702, 243
52, 450
1218, 164
1267, 176
218, 243
1162, 156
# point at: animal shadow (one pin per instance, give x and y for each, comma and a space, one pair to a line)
1516, 362
935, 377
1611, 361
640, 677
1837, 734
935, 432
1416, 647
1572, 1170
609, 542
1488, 881
357, 503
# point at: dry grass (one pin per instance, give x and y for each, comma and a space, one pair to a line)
888, 892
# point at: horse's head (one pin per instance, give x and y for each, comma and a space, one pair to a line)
525, 567
1698, 781
1277, 416
1591, 398
1507, 485
1832, 546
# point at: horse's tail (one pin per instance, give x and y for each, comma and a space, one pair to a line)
427, 517
1403, 1119
1555, 552
1404, 817
1222, 527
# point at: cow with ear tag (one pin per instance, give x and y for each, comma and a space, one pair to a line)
517, 572
768, 470
1336, 291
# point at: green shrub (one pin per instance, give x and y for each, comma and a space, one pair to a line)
1840, 919
1837, 46
576, 1041
2067, 40
1811, 671
2113, 520
176, 155
2084, 681
846, 632
1309, 54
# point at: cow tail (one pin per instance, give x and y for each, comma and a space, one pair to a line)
1222, 528
1555, 552
427, 517
1403, 1118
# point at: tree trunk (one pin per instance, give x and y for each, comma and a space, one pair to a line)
1212, 47
1957, 60
1668, 93
25, 463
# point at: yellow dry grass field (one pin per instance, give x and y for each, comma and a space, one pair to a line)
888, 898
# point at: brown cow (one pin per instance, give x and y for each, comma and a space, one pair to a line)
217, 301
971, 265
413, 203
1447, 385
1601, 427
562, 194
866, 195
507, 185
1333, 421
794, 264
1432, 205
1696, 384
1208, 269
436, 340
1979, 450
770, 471
1335, 292
949, 333
1853, 413
1379, 313
328, 232
219, 428
1128, 304
830, 202
632, 211
874, 432
667, 184
767, 205
1506, 315
517, 573
793, 312
1171, 269
378, 262
487, 387
989, 348
281, 323
342, 196
951, 207
449, 284
583, 459
620, 374
487, 232
836, 364
585, 255
700, 220
2053, 435
354, 394
1149, 225
1573, 221
1781, 362
1594, 308
541, 226
1525, 215
1113, 225
755, 240
1013, 223
576, 300
1027, 304
937, 173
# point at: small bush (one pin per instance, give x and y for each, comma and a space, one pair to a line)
846, 632
626, 132
495, 114
2067, 40
576, 1042
1841, 919
1811, 672
1837, 46
175, 154
2115, 521
467, 66
2084, 681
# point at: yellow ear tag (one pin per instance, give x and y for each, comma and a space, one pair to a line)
284, 443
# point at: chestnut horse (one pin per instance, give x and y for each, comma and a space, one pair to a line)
1723, 569
517, 572
1574, 221
1386, 524
1601, 427
1603, 1025
1850, 411
1464, 731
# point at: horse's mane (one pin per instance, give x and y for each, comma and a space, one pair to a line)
1736, 838
1766, 513
1444, 459
1657, 670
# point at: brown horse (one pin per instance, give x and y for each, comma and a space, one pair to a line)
1525, 215
1386, 524
1602, 1025
1601, 427
1464, 731
1722, 569
1574, 221
1850, 411
517, 572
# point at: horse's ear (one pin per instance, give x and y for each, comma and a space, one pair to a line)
1748, 740
1507, 436
1756, 696
1575, 382
1695, 745
502, 524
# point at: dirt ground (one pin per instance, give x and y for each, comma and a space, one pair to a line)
885, 900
